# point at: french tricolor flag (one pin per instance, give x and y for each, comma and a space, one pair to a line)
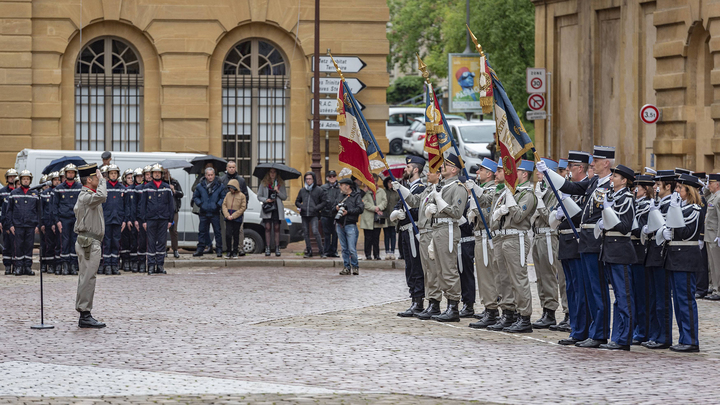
356, 148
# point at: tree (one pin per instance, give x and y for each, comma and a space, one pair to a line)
404, 88
504, 28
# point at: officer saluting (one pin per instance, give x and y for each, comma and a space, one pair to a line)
24, 219
90, 228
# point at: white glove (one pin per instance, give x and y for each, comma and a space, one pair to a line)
644, 229
667, 234
510, 200
469, 185
562, 195
397, 215
430, 210
559, 214
431, 250
541, 166
717, 240
606, 203
601, 224
653, 206
396, 185
701, 244
472, 215
675, 199
499, 212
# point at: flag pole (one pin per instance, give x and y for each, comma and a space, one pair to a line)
535, 154
377, 147
423, 69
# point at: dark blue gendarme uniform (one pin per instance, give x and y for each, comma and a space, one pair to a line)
466, 265
158, 207
64, 198
114, 213
24, 216
640, 279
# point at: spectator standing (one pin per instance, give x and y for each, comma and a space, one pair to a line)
371, 221
310, 202
346, 209
232, 174
389, 232
233, 209
330, 193
209, 196
177, 196
106, 158
271, 193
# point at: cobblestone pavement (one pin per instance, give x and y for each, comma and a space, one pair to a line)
301, 335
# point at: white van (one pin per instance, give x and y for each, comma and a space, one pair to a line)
397, 125
36, 160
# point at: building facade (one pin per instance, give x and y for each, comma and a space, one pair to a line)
608, 58
227, 77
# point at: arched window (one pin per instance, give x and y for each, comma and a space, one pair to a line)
254, 100
108, 97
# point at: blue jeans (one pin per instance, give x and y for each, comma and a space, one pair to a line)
348, 236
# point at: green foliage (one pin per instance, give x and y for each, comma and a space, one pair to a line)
504, 28
404, 88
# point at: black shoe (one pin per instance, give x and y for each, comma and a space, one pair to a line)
267, 250
87, 321
208, 249
323, 256
141, 268
432, 309
58, 269
547, 320
651, 344
43, 268
505, 321
126, 266
65, 269
8, 270
115, 270
415, 308
199, 252
234, 255
685, 348
219, 253
563, 326
522, 325
74, 269
18, 270
614, 346
490, 318
241, 253
355, 269
277, 252
29, 271
160, 269
152, 269
307, 255
105, 270
713, 297
176, 254
568, 342
699, 296
591, 343
134, 267
451, 314
468, 310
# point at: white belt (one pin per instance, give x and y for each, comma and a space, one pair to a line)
617, 234
548, 241
467, 239
483, 235
445, 220
450, 222
683, 243
424, 231
543, 230
408, 228
522, 241
565, 231
511, 232
587, 226
634, 238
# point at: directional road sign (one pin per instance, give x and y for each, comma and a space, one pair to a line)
327, 125
649, 114
328, 106
536, 80
536, 102
348, 64
331, 85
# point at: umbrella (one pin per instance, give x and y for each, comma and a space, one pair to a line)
345, 172
175, 164
285, 172
376, 165
58, 164
198, 164
397, 170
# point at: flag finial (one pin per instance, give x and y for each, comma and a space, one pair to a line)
423, 68
475, 41
337, 68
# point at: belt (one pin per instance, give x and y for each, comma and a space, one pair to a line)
406, 227
683, 243
424, 231
565, 231
450, 222
617, 234
634, 238
543, 230
587, 226
467, 239
91, 236
444, 220
511, 232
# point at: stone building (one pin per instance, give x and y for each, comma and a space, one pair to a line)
608, 58
227, 77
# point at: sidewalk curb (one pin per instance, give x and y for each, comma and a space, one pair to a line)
300, 262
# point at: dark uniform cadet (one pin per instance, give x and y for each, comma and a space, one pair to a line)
596, 289
8, 237
126, 235
47, 226
712, 236
618, 254
659, 312
466, 264
158, 207
640, 277
24, 219
114, 215
142, 241
702, 285
40, 188
409, 244
135, 246
682, 258
64, 198
568, 253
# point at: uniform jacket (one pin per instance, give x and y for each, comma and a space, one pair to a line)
130, 201
353, 205
418, 202
367, 219
310, 202
24, 208
263, 194
541, 217
642, 209
64, 199
654, 256
114, 205
416, 188
209, 200
330, 192
487, 198
89, 218
567, 244
46, 216
234, 204
4, 196
139, 214
619, 249
157, 202
592, 210
518, 216
466, 229
686, 257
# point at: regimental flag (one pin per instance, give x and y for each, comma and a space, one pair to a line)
433, 126
486, 86
356, 145
511, 135
444, 141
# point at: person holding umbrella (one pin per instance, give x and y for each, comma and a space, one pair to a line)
271, 193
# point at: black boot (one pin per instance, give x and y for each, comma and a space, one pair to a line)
150, 269
141, 268
432, 309
87, 321
58, 269
219, 253
105, 270
505, 321
563, 326
277, 251
522, 325
199, 252
43, 268
546, 320
176, 254
267, 250
468, 310
74, 269
160, 269
8, 269
29, 271
415, 308
115, 270
65, 269
134, 267
19, 271
490, 318
451, 313
126, 266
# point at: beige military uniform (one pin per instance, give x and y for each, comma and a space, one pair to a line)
420, 201
515, 243
90, 227
548, 268
712, 219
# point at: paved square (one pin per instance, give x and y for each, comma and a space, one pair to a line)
237, 335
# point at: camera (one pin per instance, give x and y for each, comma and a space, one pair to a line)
341, 210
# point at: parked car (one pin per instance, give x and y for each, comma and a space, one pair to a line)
414, 140
35, 160
398, 123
